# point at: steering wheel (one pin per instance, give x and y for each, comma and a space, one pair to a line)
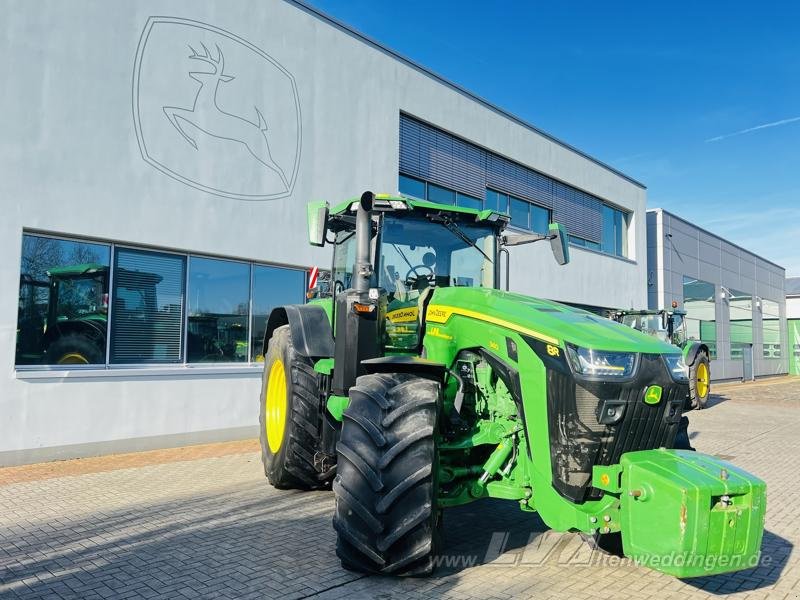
413, 276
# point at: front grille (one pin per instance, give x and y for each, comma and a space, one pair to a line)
578, 440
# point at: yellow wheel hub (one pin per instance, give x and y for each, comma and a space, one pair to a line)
276, 406
73, 358
702, 380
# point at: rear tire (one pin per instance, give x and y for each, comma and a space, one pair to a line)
75, 349
386, 516
291, 419
699, 381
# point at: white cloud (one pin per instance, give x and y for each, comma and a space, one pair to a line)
756, 128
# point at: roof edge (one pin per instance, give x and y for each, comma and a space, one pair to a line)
303, 5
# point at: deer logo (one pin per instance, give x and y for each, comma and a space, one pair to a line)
238, 140
208, 117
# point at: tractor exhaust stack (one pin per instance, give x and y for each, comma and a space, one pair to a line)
363, 270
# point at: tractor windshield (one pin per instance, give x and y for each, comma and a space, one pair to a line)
416, 253
79, 296
649, 324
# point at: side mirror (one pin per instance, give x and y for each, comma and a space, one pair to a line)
559, 243
317, 222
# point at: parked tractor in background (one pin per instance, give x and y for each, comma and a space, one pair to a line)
420, 386
63, 321
670, 326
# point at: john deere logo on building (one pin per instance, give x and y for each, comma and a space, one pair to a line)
214, 111
653, 394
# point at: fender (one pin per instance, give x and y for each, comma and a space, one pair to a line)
692, 349
310, 327
87, 327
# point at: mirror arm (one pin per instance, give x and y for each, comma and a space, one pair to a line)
526, 238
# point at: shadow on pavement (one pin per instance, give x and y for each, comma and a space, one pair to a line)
775, 552
715, 399
255, 543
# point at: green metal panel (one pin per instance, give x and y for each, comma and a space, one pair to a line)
794, 346
689, 514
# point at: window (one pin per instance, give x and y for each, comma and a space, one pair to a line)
219, 309
577, 241
519, 213
771, 329
740, 309
614, 238
63, 302
440, 195
345, 257
147, 307
700, 306
417, 254
68, 314
540, 219
496, 201
272, 287
410, 186
469, 201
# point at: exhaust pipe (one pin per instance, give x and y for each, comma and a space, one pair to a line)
359, 318
363, 267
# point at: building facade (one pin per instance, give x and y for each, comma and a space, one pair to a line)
793, 322
157, 159
734, 299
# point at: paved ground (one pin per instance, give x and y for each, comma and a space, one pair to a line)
201, 522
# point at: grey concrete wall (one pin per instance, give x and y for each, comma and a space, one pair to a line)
109, 132
676, 248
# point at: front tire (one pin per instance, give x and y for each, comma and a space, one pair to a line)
291, 419
700, 381
386, 516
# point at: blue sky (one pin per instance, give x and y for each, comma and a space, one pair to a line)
699, 101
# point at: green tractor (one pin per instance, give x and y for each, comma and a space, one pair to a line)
71, 328
420, 386
670, 326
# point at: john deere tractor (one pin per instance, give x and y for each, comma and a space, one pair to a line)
420, 386
670, 326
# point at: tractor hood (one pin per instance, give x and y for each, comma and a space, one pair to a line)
549, 321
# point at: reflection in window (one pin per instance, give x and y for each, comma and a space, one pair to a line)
219, 305
699, 304
63, 302
272, 287
147, 307
740, 307
771, 329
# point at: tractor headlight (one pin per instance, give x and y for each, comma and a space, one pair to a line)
599, 363
677, 367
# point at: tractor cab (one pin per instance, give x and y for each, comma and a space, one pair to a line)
416, 247
668, 326
77, 292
